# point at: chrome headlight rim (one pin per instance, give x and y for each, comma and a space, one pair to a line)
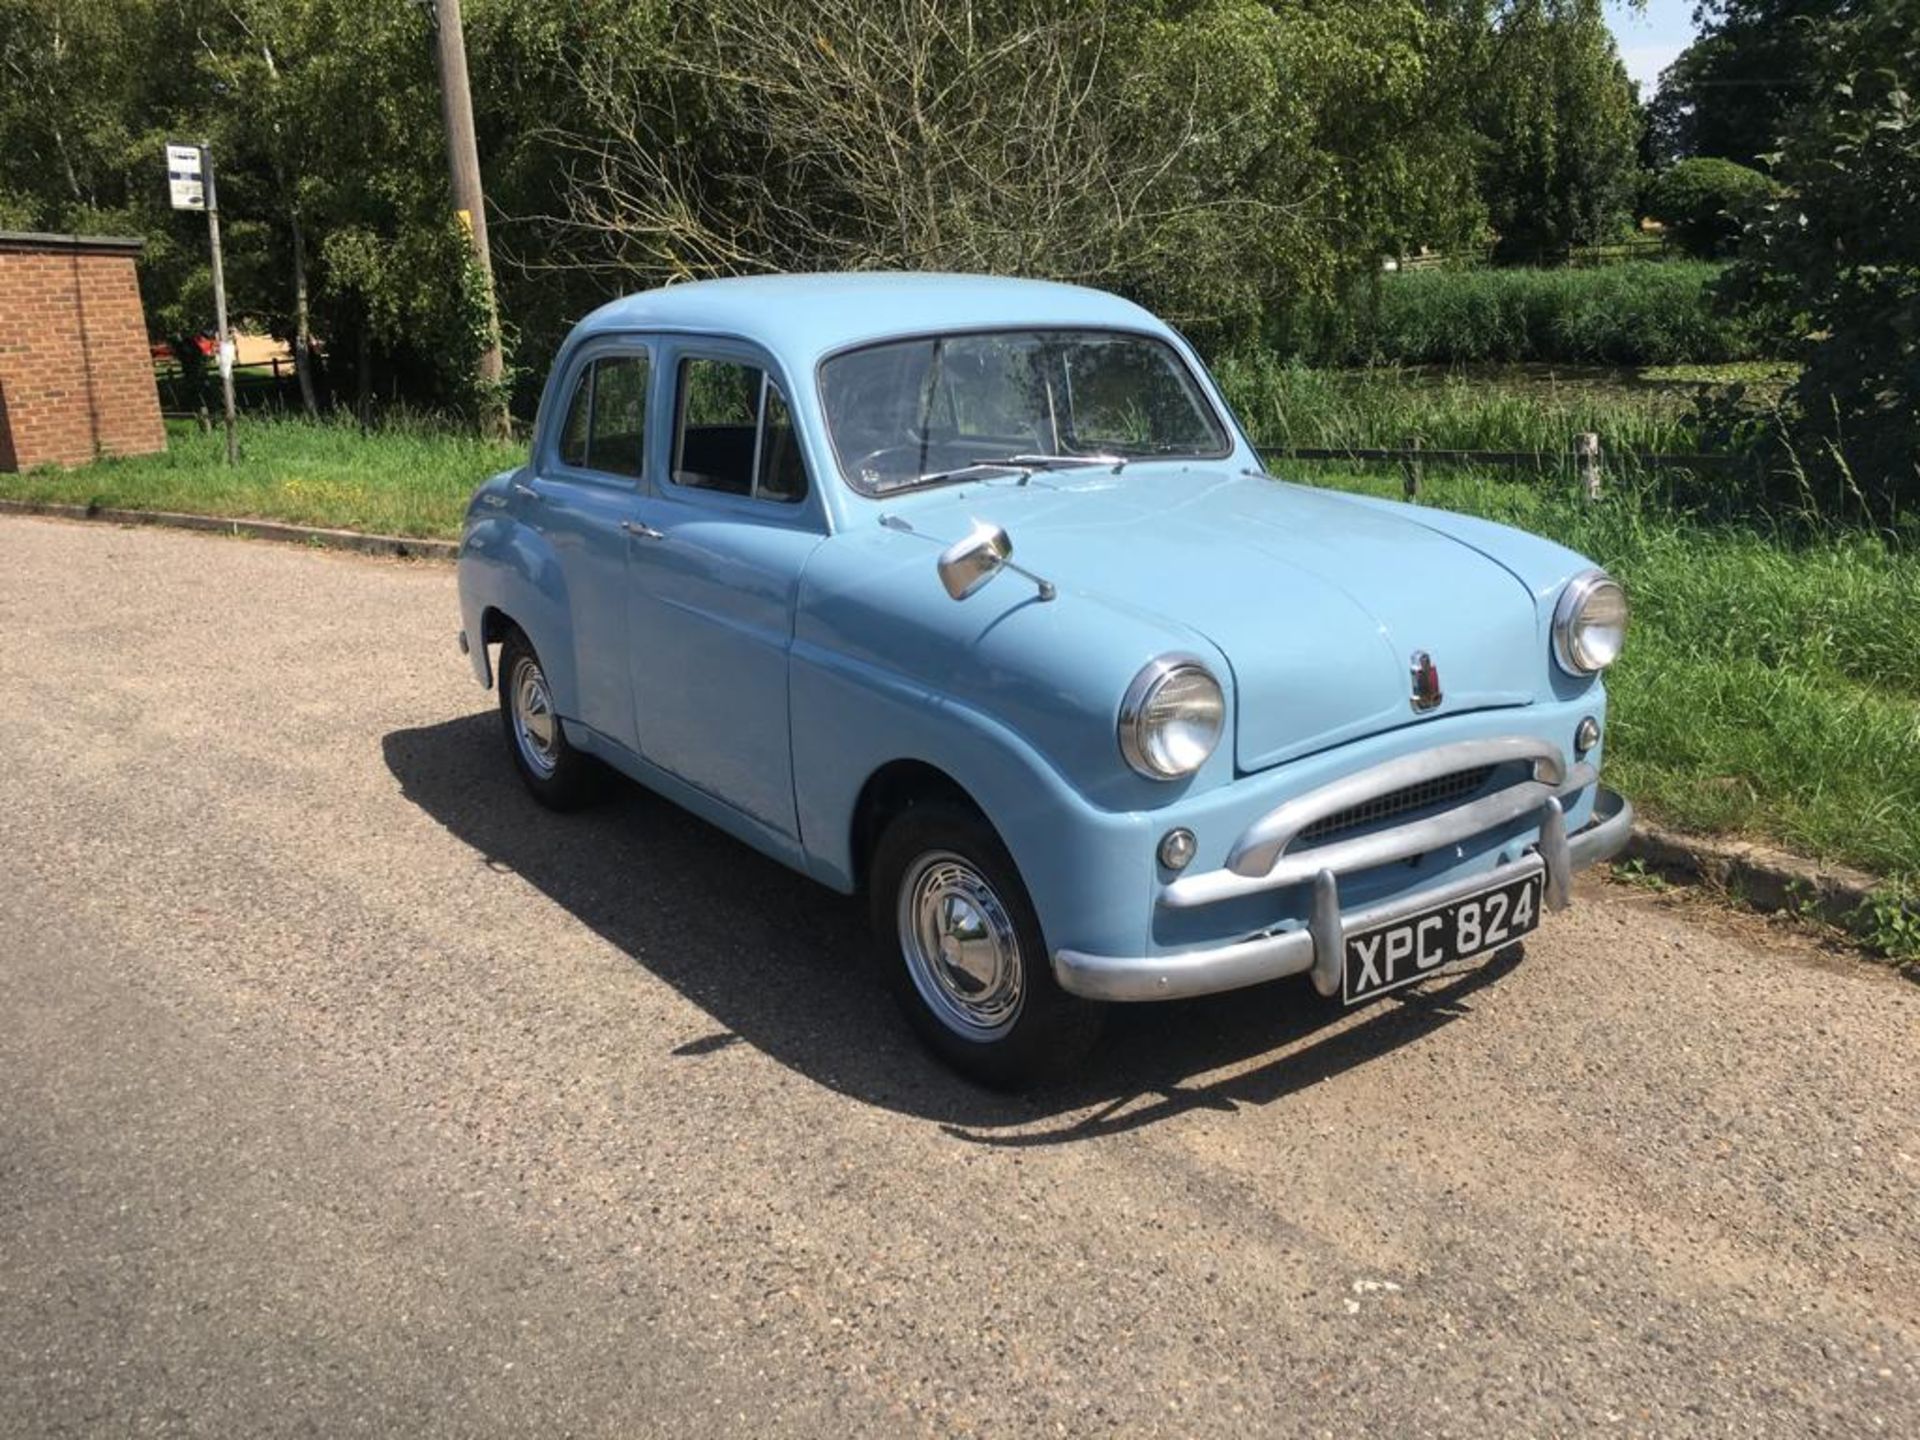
1574, 599
1135, 746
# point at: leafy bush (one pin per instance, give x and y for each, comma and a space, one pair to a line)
1627, 314
1703, 203
1836, 263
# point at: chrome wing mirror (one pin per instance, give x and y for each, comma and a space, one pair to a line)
979, 555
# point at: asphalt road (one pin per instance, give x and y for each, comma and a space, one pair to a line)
344, 1092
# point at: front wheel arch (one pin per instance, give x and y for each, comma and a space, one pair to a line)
894, 788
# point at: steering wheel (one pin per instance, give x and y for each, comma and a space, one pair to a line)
871, 460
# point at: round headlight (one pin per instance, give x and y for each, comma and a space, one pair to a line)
1589, 623
1171, 718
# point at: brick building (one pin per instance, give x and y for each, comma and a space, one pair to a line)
76, 375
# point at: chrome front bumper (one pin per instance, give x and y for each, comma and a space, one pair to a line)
1319, 946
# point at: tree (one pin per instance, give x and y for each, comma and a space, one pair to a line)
1728, 94
1212, 159
1241, 165
1560, 126
1835, 259
69, 88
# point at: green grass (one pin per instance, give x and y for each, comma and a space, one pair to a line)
1510, 408
1767, 690
1638, 313
406, 478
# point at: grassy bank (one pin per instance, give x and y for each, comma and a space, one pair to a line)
407, 478
1499, 408
1640, 313
1767, 690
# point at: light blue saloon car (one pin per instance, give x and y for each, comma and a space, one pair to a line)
971, 595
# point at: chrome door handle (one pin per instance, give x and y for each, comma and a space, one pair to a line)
644, 531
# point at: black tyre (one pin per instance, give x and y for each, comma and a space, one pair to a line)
559, 776
962, 950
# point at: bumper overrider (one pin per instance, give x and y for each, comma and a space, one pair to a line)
1275, 853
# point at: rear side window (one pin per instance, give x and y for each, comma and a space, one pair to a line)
735, 433
606, 424
573, 434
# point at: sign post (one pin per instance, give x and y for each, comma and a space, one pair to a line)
190, 187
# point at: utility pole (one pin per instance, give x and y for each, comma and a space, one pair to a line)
190, 187
226, 356
463, 162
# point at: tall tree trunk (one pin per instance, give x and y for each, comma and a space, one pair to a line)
302, 331
363, 375
66, 164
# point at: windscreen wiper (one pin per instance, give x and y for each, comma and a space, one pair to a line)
1049, 462
1025, 464
935, 477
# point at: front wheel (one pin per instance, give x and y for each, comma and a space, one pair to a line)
964, 954
559, 776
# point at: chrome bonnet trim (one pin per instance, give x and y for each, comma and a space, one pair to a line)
1319, 946
1382, 847
1267, 838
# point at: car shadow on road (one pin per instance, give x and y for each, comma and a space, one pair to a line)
780, 963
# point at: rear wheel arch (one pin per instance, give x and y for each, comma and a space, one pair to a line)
545, 635
495, 624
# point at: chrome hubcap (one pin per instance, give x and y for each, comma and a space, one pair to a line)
960, 947
536, 730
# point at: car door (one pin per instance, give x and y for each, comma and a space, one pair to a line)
715, 565
584, 494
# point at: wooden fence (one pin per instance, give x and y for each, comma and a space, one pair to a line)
268, 383
1584, 458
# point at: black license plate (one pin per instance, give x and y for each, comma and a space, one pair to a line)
1389, 956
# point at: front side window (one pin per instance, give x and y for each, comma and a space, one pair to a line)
606, 424
920, 411
735, 433
783, 476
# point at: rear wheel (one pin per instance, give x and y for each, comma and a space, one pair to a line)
558, 775
963, 951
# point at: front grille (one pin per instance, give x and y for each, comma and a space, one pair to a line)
1434, 794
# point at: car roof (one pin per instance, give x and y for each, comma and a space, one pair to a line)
802, 317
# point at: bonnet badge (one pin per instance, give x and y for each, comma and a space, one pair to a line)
1426, 681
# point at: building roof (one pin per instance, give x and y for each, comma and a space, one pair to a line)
90, 244
805, 316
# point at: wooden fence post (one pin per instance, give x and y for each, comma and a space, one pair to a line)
1410, 467
1586, 457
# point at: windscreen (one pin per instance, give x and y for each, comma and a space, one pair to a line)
930, 410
